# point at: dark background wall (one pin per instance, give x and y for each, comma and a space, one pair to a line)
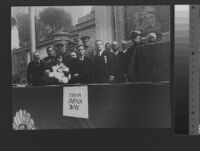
147, 19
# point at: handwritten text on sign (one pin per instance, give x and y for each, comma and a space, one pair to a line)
75, 101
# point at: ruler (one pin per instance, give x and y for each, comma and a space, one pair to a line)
194, 70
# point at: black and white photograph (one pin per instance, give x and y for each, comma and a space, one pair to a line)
81, 67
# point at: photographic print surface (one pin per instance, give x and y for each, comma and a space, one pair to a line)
90, 67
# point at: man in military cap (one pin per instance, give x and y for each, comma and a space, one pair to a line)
89, 52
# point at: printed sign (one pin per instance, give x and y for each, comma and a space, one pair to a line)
75, 101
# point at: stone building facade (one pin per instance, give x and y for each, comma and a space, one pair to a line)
109, 23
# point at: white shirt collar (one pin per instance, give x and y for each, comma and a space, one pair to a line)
124, 51
81, 58
116, 52
100, 52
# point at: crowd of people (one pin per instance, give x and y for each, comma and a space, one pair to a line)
106, 64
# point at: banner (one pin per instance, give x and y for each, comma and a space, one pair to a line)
139, 105
75, 101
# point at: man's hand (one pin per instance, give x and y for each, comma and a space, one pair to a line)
76, 75
111, 78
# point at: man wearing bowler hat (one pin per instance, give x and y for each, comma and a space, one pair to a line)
89, 52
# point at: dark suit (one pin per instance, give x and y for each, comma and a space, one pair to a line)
129, 61
83, 68
49, 62
35, 72
101, 67
89, 52
67, 59
117, 67
126, 60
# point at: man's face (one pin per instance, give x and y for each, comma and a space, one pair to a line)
73, 55
59, 60
50, 52
60, 48
36, 56
86, 42
107, 47
136, 39
114, 46
71, 46
81, 50
99, 45
124, 46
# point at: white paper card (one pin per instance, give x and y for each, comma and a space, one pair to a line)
75, 101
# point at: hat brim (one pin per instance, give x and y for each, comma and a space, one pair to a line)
85, 37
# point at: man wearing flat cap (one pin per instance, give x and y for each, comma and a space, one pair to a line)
89, 52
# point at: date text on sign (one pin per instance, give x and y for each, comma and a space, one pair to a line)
75, 101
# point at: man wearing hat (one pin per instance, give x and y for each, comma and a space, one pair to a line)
89, 52
135, 37
130, 56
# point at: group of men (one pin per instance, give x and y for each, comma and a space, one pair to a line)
109, 65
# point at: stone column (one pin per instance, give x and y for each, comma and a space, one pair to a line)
32, 30
104, 23
119, 12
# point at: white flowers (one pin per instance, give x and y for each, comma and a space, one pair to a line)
60, 72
